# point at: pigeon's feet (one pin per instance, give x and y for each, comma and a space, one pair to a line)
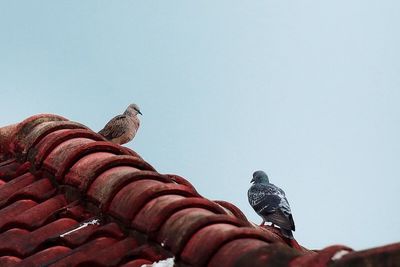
263, 223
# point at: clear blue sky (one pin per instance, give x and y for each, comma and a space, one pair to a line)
306, 90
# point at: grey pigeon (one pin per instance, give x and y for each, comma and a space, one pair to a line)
269, 201
122, 128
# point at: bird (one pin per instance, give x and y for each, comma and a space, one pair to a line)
122, 128
269, 201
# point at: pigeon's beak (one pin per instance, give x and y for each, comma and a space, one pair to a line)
140, 112
252, 180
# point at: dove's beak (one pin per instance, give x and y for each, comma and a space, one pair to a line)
140, 112
252, 180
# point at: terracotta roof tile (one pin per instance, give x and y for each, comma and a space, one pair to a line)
76, 238
44, 257
83, 255
137, 263
25, 242
42, 149
36, 215
9, 261
70, 198
9, 170
16, 184
241, 246
156, 212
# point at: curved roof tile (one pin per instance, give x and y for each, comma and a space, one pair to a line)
70, 198
43, 257
41, 150
110, 182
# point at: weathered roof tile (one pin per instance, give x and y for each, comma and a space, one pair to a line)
70, 198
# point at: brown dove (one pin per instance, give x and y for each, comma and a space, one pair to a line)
122, 128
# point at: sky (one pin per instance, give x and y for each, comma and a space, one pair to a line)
307, 91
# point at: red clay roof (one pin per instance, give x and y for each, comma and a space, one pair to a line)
70, 198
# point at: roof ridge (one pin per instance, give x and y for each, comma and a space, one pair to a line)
57, 174
122, 185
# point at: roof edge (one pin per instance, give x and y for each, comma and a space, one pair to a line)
11, 135
7, 134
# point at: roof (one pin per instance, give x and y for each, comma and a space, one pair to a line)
70, 198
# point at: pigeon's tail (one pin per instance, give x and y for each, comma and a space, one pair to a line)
287, 233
